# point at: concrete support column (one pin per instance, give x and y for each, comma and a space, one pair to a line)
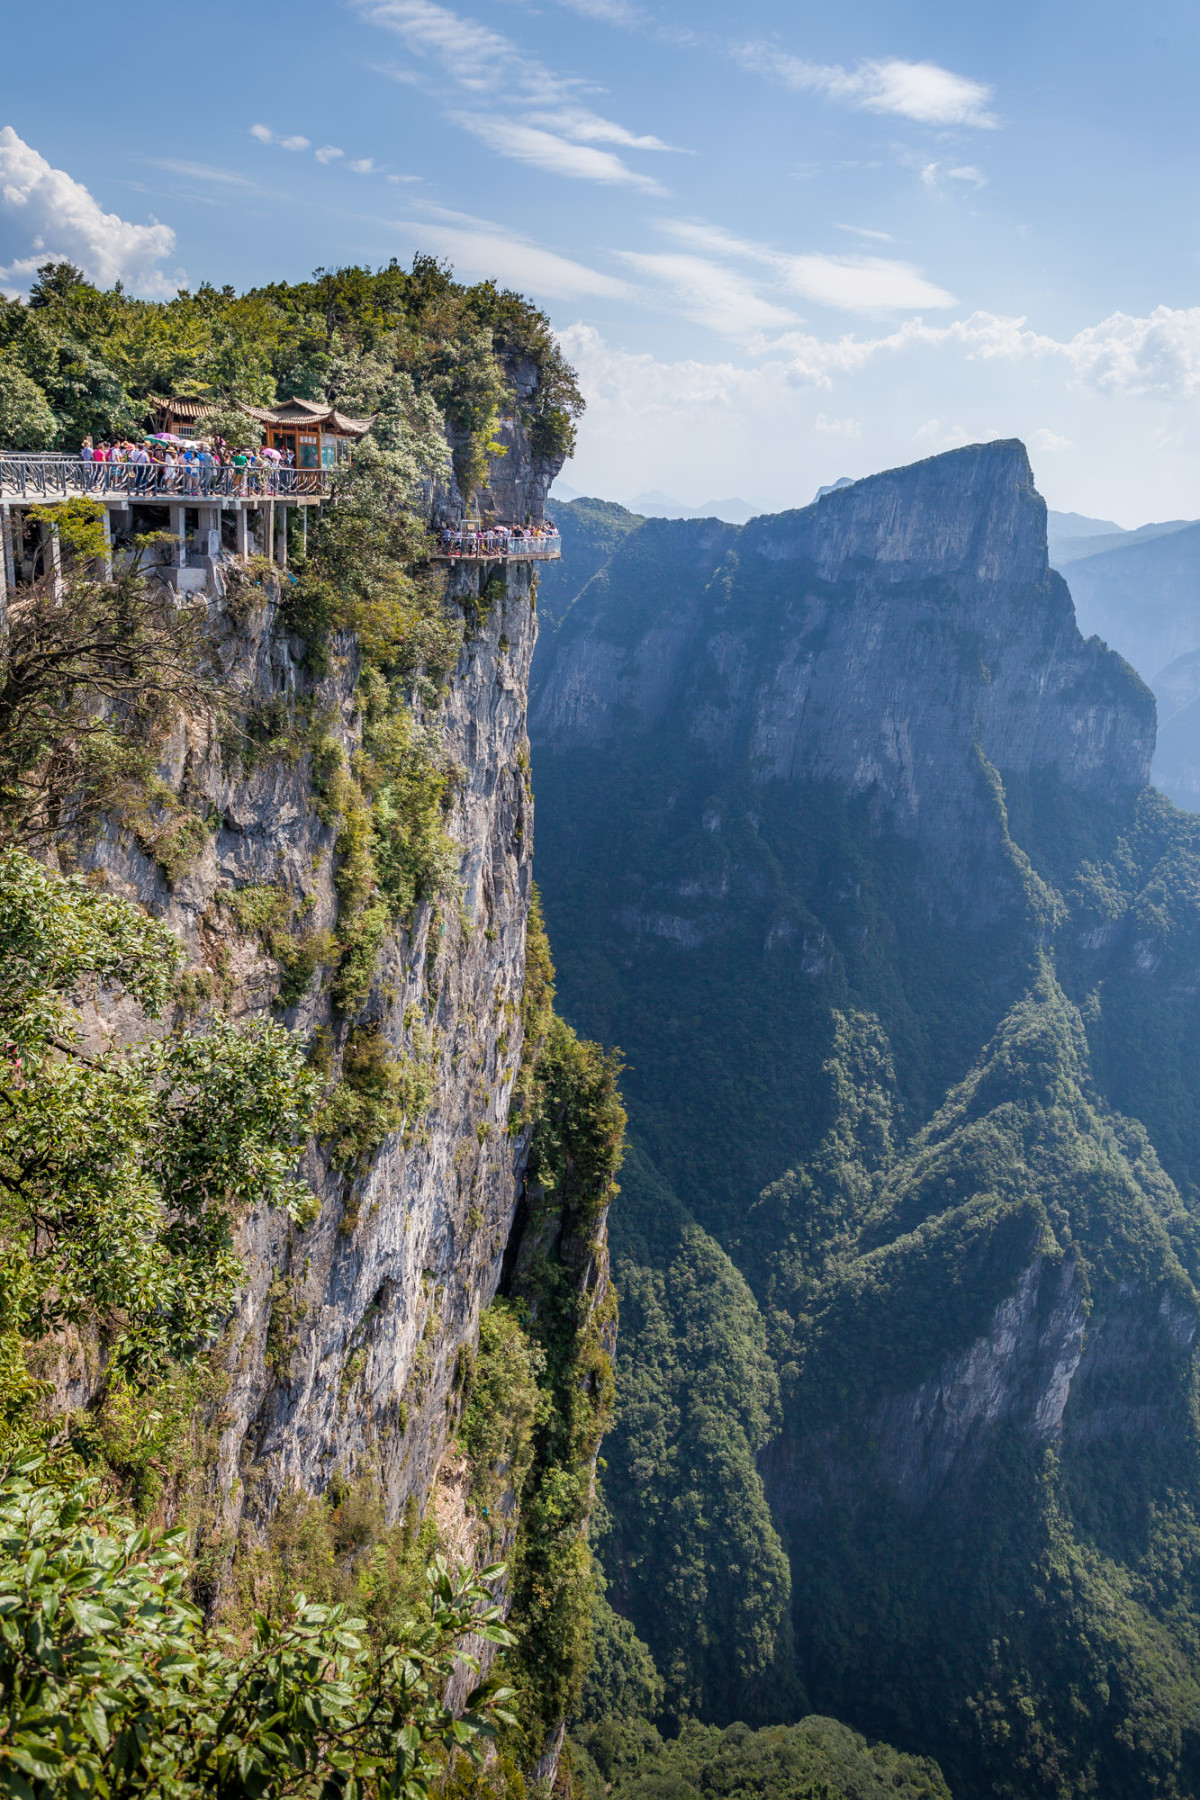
179, 533
281, 517
268, 519
8, 574
304, 529
243, 530
52, 558
107, 558
210, 532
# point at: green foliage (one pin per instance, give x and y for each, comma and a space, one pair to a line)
622, 1682
89, 684
502, 1407
377, 1095
268, 910
120, 1172
818, 1759
27, 420
591, 531
690, 1551
389, 341
1022, 1200
110, 1683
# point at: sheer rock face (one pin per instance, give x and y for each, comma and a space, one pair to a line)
344, 1346
936, 1436
896, 638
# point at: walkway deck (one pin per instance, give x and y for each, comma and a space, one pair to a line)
41, 480
485, 548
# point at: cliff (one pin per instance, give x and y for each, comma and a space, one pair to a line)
845, 838
883, 638
347, 1336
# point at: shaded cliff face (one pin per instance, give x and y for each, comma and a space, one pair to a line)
344, 1348
844, 837
886, 639
778, 765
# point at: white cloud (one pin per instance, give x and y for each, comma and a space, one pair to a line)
843, 428
401, 180
199, 171
933, 174
528, 144
939, 434
870, 284
587, 127
608, 12
265, 135
921, 91
59, 220
712, 295
364, 166
471, 54
1044, 439
879, 237
1125, 442
329, 153
482, 251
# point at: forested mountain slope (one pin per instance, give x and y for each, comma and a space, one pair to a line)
845, 837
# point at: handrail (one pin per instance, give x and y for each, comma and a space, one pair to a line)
52, 477
495, 544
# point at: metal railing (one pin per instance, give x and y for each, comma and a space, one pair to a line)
64, 478
489, 546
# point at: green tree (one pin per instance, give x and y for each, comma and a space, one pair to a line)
27, 420
121, 1170
110, 1684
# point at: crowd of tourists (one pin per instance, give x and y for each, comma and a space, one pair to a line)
162, 464
496, 540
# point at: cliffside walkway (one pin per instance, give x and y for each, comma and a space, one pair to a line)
43, 479
502, 543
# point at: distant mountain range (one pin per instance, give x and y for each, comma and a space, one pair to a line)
1140, 592
654, 504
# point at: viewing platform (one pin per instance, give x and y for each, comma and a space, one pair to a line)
204, 514
499, 543
39, 480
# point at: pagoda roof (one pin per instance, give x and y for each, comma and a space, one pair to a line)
310, 412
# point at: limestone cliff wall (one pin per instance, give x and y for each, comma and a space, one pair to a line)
344, 1345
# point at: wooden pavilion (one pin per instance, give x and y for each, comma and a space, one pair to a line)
319, 436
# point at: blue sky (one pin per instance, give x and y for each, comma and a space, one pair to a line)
781, 244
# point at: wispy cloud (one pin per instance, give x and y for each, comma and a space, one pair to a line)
863, 231
935, 173
711, 294
868, 284
542, 149
329, 153
199, 171
59, 219
587, 127
294, 141
480, 249
472, 55
921, 91
608, 12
